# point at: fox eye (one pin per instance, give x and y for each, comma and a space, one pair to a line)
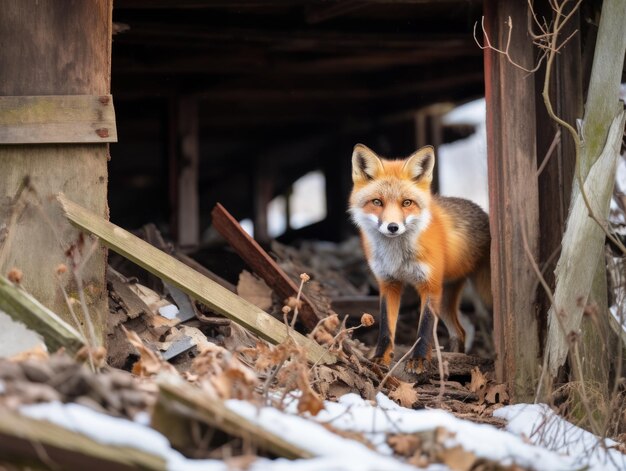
377, 202
407, 203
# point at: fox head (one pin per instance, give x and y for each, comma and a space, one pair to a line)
391, 197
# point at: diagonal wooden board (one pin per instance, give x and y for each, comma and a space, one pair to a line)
189, 281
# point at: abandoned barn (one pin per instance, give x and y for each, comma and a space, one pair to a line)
154, 111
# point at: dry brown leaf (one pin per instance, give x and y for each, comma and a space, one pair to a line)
310, 402
497, 394
253, 289
404, 394
222, 374
478, 380
38, 352
149, 363
457, 459
405, 444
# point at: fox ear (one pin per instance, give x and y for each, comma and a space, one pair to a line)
365, 164
419, 165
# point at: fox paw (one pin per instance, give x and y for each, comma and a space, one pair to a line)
415, 366
382, 361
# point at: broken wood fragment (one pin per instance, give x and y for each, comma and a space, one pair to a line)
26, 440
24, 308
261, 263
132, 303
178, 399
189, 281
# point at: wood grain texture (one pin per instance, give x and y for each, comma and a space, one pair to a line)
55, 48
39, 444
189, 281
23, 308
182, 400
583, 245
57, 119
601, 135
513, 197
261, 263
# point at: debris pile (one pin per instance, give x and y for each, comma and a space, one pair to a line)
181, 342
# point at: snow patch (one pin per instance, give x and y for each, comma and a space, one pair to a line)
539, 424
16, 338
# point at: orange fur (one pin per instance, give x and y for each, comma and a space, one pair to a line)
413, 237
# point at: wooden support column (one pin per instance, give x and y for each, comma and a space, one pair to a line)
513, 197
54, 48
186, 163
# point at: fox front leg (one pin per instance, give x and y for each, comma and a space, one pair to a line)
390, 294
423, 350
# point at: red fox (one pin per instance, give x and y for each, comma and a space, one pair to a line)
412, 237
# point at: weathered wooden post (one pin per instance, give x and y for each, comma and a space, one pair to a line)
513, 196
56, 117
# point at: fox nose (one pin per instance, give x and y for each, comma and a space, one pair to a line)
393, 227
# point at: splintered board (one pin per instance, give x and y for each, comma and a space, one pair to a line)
189, 280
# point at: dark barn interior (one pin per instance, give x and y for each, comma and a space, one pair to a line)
233, 101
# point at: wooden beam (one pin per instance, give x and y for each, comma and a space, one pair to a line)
261, 263
513, 197
189, 281
40, 444
60, 51
178, 399
57, 119
23, 308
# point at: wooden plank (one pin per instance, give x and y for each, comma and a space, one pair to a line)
513, 197
178, 399
60, 51
261, 263
41, 444
24, 308
57, 119
188, 280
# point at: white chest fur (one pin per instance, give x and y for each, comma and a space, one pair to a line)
396, 259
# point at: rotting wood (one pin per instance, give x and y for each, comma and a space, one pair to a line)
261, 263
61, 51
57, 119
601, 135
189, 281
24, 308
39, 443
132, 303
179, 398
576, 268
